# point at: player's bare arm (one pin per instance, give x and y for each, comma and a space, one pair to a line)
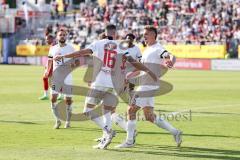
140, 66
49, 67
76, 54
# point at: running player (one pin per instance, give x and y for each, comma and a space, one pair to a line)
153, 56
135, 53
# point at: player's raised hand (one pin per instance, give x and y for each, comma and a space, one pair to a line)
169, 63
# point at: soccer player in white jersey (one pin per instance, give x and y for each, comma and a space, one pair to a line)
135, 53
106, 50
61, 48
154, 54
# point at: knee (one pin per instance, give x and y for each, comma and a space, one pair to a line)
53, 99
132, 113
113, 111
149, 117
69, 109
68, 101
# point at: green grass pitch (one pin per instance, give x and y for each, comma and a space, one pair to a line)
212, 133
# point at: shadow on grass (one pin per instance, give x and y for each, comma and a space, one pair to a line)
20, 122
86, 129
154, 133
187, 152
193, 135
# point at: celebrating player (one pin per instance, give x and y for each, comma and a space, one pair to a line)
153, 56
135, 53
61, 48
106, 50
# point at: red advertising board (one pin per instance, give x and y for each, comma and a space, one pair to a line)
21, 13
201, 64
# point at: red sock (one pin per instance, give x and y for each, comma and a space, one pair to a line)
45, 84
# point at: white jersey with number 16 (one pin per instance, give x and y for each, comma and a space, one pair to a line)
105, 51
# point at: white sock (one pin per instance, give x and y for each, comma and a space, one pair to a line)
131, 127
45, 93
119, 120
107, 119
160, 122
68, 113
54, 111
99, 120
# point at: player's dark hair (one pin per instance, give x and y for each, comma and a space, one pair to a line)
130, 35
62, 30
152, 29
102, 36
111, 27
50, 35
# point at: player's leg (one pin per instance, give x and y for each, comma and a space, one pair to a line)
131, 91
68, 101
114, 119
95, 97
131, 127
98, 119
119, 120
54, 110
131, 124
108, 134
88, 111
45, 87
60, 95
107, 110
160, 122
109, 102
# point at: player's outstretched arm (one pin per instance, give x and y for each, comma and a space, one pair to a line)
76, 54
140, 66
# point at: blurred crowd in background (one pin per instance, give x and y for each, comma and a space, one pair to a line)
178, 21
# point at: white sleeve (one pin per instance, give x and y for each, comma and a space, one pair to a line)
93, 47
138, 55
162, 52
124, 52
